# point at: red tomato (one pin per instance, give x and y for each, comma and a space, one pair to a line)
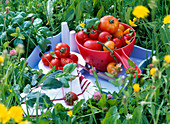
124, 38
117, 42
81, 37
55, 62
74, 58
118, 33
92, 44
94, 34
46, 58
65, 61
104, 36
60, 68
109, 23
62, 50
70, 97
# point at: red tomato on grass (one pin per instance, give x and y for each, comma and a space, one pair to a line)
70, 97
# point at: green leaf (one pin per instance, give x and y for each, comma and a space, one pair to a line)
112, 102
68, 68
20, 36
78, 106
127, 14
26, 25
96, 24
17, 41
16, 21
37, 22
17, 30
31, 15
131, 63
10, 30
42, 43
1, 19
64, 82
26, 88
115, 83
69, 14
102, 101
44, 31
90, 22
51, 82
79, 10
111, 116
34, 79
99, 13
137, 114
14, 34
32, 97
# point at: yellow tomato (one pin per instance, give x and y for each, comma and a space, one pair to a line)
110, 67
110, 44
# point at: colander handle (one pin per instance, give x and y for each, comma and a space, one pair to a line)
121, 55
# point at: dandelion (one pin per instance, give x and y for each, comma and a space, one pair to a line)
1, 59
166, 19
129, 116
10, 90
4, 114
136, 87
152, 71
16, 113
167, 58
97, 95
140, 12
132, 23
13, 52
134, 19
23, 122
82, 24
70, 113
169, 27
109, 96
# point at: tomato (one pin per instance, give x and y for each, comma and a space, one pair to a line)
92, 44
60, 68
104, 36
81, 37
74, 58
128, 37
110, 67
94, 34
109, 23
55, 62
46, 58
62, 50
70, 97
110, 44
118, 33
65, 61
117, 42
121, 27
124, 38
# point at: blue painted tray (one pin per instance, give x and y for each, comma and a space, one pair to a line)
139, 55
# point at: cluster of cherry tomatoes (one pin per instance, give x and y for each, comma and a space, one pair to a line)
60, 57
110, 32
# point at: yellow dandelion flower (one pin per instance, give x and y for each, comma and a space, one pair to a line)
82, 24
169, 27
70, 113
167, 58
136, 87
152, 71
132, 23
10, 90
23, 122
166, 19
1, 59
16, 113
140, 11
134, 19
4, 114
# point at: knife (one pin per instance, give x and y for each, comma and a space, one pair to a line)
99, 74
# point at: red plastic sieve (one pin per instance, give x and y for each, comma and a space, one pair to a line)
100, 59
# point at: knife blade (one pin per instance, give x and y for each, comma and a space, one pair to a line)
99, 74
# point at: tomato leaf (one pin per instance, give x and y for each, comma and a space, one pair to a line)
90, 22
64, 82
37, 23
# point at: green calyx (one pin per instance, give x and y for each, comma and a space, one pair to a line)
62, 50
111, 21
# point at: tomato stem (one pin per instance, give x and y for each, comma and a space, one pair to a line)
111, 21
106, 47
62, 50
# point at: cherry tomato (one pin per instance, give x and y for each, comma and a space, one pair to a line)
62, 50
109, 23
128, 37
46, 58
118, 33
124, 38
123, 41
110, 67
121, 27
117, 42
110, 44
60, 68
94, 34
65, 61
81, 37
104, 36
73, 57
92, 44
55, 62
70, 97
